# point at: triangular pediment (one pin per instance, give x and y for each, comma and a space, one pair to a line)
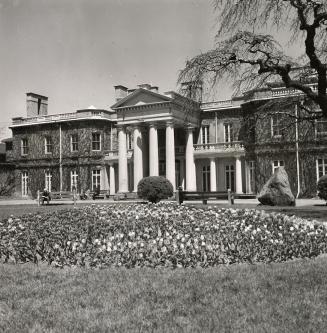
141, 97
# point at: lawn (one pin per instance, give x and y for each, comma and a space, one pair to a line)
283, 297
271, 297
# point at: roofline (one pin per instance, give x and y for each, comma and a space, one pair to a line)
135, 92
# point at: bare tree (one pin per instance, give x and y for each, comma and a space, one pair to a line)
250, 58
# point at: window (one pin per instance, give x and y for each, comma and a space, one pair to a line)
276, 165
206, 178
73, 180
230, 177
48, 145
129, 141
162, 168
48, 180
24, 183
96, 177
96, 141
321, 167
205, 134
276, 125
74, 142
228, 129
321, 127
24, 147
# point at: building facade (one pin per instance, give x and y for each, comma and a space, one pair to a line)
234, 144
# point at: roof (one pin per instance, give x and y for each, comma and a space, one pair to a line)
135, 93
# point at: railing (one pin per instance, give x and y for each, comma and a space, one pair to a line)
63, 116
217, 104
219, 147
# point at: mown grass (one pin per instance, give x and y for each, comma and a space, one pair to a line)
288, 297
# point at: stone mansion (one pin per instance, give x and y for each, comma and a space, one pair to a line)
232, 144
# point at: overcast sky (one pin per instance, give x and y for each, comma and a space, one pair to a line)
75, 51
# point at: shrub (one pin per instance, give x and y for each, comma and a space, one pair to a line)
154, 188
322, 187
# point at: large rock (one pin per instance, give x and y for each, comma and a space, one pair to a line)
277, 190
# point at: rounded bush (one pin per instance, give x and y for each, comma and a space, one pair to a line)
155, 188
322, 187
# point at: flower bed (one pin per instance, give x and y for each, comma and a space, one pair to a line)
158, 235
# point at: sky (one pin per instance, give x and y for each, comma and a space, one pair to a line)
76, 51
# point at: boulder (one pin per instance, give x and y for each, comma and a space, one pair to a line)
277, 190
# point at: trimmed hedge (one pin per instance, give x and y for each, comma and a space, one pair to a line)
155, 188
322, 187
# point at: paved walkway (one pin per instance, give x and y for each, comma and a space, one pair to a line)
248, 202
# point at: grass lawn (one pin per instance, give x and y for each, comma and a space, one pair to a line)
288, 297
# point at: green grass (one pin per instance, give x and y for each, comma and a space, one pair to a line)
288, 297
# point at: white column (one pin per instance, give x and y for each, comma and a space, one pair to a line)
112, 185
153, 151
170, 154
190, 165
238, 175
138, 157
122, 160
213, 177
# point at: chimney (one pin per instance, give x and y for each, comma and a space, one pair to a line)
154, 89
193, 90
145, 86
36, 105
120, 92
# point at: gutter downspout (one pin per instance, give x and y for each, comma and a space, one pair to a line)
297, 152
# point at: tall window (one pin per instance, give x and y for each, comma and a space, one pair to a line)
24, 147
129, 141
230, 177
206, 178
96, 178
73, 180
205, 134
48, 146
24, 183
96, 141
276, 165
321, 127
48, 180
74, 142
228, 130
162, 168
321, 167
276, 130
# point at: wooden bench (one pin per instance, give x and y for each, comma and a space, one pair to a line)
181, 196
57, 196
103, 194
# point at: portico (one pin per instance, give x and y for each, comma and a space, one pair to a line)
144, 113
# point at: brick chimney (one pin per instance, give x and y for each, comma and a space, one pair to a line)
36, 105
192, 90
120, 92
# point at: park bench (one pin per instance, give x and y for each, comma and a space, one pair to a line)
102, 194
181, 196
57, 196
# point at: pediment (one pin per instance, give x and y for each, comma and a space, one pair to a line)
141, 97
